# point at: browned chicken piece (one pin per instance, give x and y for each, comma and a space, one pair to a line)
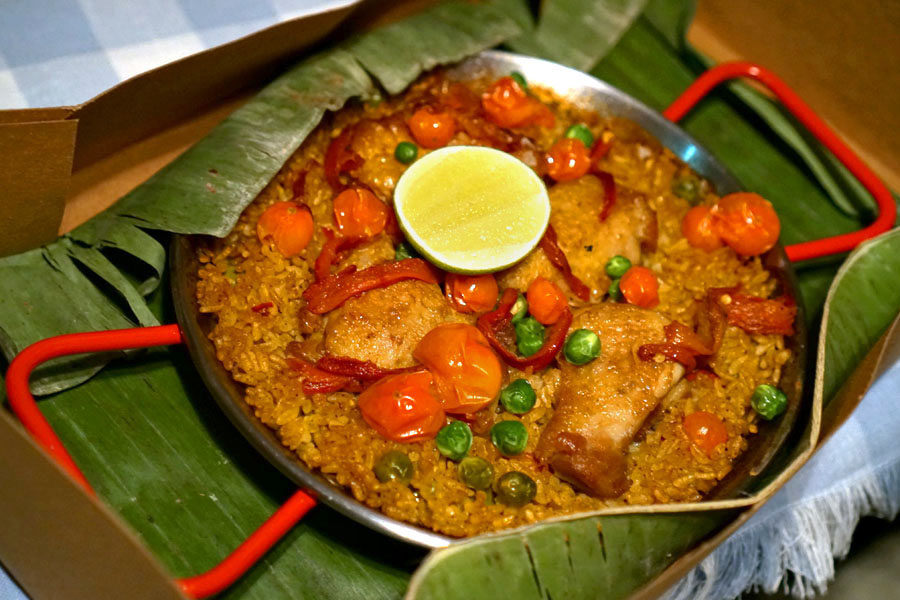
385, 325
602, 405
587, 242
375, 142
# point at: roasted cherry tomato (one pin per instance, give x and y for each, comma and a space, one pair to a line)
705, 430
431, 129
507, 105
746, 222
359, 214
697, 228
290, 226
467, 374
640, 287
471, 293
402, 407
568, 159
546, 302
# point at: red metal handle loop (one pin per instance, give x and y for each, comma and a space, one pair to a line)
887, 210
23, 404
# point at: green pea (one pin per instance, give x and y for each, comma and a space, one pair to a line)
519, 309
520, 79
231, 274
580, 131
529, 336
394, 466
617, 266
406, 152
687, 187
454, 440
518, 397
405, 250
768, 401
476, 472
510, 437
582, 347
614, 292
516, 489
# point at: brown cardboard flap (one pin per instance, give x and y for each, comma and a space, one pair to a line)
31, 115
34, 176
59, 543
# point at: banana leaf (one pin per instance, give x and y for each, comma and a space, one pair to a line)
150, 439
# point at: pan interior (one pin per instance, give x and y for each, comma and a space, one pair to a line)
585, 91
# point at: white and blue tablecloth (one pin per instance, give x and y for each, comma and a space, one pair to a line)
64, 52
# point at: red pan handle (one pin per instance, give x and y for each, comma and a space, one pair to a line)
887, 210
23, 404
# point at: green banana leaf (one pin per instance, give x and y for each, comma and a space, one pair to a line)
149, 437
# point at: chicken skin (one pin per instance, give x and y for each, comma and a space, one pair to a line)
385, 325
601, 406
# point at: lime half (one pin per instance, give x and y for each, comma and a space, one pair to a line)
470, 209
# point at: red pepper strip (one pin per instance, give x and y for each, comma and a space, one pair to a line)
334, 245
679, 354
299, 185
359, 369
698, 372
758, 315
340, 158
609, 193
551, 248
711, 320
317, 381
263, 308
682, 335
599, 150
682, 345
493, 323
329, 293
754, 314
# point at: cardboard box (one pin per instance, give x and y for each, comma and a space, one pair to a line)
63, 165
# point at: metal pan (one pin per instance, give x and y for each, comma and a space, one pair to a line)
582, 90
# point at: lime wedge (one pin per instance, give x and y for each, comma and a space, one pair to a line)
470, 209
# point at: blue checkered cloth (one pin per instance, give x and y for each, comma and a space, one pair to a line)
64, 52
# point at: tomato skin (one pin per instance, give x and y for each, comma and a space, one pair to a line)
546, 302
359, 214
290, 226
697, 227
568, 159
467, 374
431, 129
640, 287
471, 293
507, 105
402, 407
747, 222
705, 430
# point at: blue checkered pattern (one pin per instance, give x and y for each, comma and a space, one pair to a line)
63, 52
